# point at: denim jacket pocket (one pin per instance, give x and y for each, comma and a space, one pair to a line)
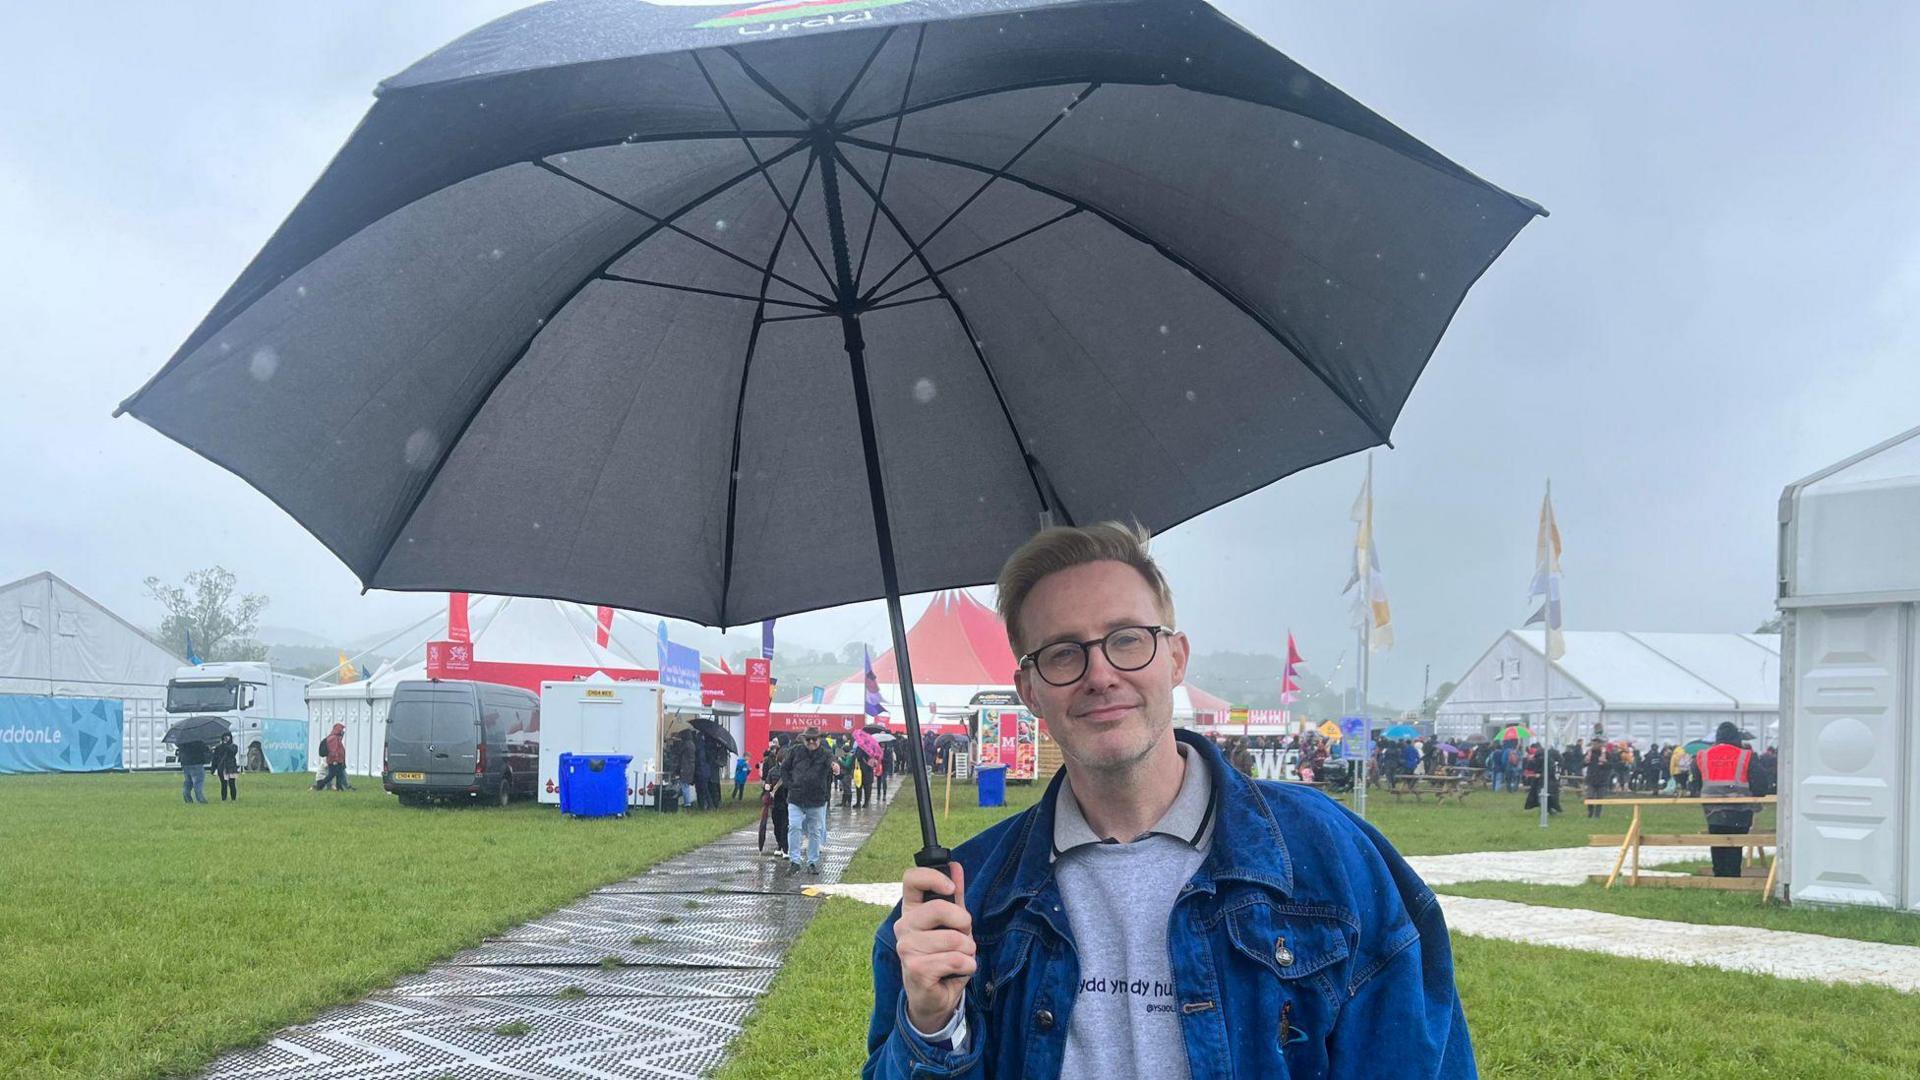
1285, 968
1006, 956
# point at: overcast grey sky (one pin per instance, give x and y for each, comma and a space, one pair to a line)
1723, 300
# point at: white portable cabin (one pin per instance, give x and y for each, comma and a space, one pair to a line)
1850, 691
597, 715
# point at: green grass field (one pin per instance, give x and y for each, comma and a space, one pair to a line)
1534, 1011
140, 937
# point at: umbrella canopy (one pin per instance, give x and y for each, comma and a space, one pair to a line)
884, 736
1694, 746
876, 729
1476, 737
867, 744
1516, 731
1401, 731
613, 303
206, 729
1448, 748
716, 731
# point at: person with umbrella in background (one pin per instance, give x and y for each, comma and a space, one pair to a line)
193, 757
1085, 932
226, 768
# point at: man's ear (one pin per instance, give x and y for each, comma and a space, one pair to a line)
1023, 685
1177, 644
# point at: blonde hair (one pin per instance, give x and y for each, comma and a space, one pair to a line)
1053, 550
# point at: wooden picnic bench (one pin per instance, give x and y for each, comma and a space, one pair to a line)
1751, 845
1442, 787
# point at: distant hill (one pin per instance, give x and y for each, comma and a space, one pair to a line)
287, 635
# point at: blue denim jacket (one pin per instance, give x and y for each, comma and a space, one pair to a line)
1304, 946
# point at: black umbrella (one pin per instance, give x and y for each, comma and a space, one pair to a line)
877, 729
727, 313
712, 729
206, 729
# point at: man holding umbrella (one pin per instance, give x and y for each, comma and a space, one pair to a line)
193, 755
1157, 913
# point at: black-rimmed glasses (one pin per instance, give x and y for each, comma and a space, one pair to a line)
1127, 648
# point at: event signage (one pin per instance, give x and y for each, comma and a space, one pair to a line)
759, 691
449, 659
1330, 729
44, 734
679, 672
1353, 737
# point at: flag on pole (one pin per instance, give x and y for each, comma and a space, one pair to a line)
874, 705
603, 625
348, 673
819, 694
766, 639
192, 657
458, 628
1370, 609
1289, 685
1546, 579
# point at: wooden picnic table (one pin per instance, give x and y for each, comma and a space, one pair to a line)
1442, 787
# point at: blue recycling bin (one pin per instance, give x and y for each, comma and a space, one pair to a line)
594, 785
992, 780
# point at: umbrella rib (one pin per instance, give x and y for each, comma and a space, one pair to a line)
766, 84
886, 170
668, 223
446, 450
825, 275
740, 400
882, 299
834, 114
711, 292
1286, 340
1040, 490
988, 182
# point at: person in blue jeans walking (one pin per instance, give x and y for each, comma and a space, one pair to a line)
1157, 914
807, 771
193, 771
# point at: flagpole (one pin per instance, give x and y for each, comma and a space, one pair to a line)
1546, 683
1364, 672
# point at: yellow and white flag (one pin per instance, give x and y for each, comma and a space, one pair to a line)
1546, 579
348, 673
1370, 609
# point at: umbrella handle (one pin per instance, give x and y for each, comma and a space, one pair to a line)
935, 857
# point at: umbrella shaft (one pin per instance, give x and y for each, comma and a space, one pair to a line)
931, 853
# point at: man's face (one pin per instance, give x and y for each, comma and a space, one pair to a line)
1107, 719
813, 742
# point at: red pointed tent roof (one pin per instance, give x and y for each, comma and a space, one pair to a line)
957, 641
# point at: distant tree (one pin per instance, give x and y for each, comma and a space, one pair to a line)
853, 652
222, 622
1432, 704
1773, 625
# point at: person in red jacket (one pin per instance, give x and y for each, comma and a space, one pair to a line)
1724, 771
335, 747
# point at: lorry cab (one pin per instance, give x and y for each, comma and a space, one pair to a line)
457, 739
264, 710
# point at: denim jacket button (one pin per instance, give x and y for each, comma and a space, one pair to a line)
1043, 1019
1281, 954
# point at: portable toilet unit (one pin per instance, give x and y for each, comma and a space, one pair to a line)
597, 715
1850, 680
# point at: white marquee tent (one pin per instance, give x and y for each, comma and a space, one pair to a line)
505, 629
1643, 687
58, 643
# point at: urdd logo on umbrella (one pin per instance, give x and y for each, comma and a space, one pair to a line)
772, 16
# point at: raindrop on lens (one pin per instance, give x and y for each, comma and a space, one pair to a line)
420, 448
924, 391
1296, 144
1163, 329
1191, 396
263, 363
299, 290
495, 254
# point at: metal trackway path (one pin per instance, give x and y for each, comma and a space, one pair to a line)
643, 979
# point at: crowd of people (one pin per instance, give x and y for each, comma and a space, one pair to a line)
1601, 767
